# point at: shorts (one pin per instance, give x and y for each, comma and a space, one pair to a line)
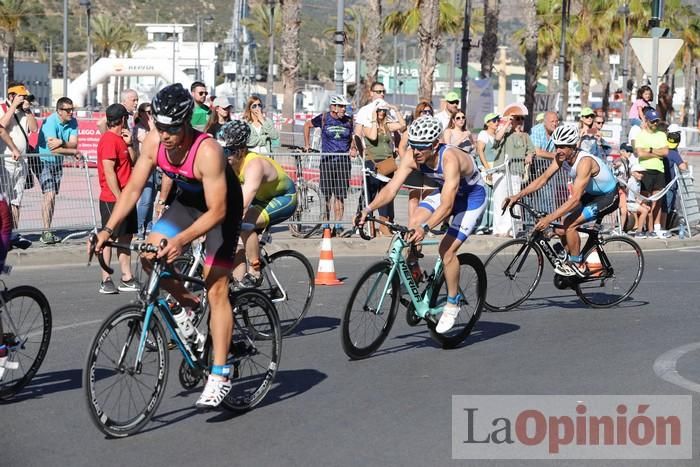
278, 209
221, 240
652, 181
668, 201
598, 206
466, 211
335, 176
14, 177
50, 176
128, 226
633, 206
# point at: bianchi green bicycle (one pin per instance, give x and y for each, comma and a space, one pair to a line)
374, 302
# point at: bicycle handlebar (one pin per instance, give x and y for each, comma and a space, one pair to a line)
535, 213
140, 247
395, 228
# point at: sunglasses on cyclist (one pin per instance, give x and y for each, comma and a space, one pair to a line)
169, 129
420, 146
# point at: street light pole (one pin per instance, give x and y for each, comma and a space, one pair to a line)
339, 52
466, 46
87, 5
563, 106
271, 58
65, 48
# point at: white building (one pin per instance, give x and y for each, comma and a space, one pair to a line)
165, 59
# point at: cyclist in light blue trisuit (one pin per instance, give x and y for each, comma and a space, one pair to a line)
461, 194
594, 194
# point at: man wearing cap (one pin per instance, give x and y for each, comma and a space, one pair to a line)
451, 108
58, 137
651, 146
671, 161
115, 157
17, 118
337, 146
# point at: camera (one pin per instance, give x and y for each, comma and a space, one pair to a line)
30, 98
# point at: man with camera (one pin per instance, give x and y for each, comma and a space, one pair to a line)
18, 120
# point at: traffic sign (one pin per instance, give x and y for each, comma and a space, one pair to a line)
643, 48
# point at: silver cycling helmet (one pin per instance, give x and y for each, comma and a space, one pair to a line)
424, 131
338, 99
233, 134
565, 135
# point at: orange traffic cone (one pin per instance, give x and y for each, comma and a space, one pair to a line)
326, 268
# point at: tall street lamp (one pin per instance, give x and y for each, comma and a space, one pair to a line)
86, 4
207, 20
271, 59
339, 51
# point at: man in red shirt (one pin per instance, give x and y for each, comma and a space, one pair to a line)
115, 157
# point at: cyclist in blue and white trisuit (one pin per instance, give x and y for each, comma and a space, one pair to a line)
461, 194
594, 194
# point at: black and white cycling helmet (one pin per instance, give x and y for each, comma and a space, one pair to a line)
565, 135
424, 131
172, 105
338, 99
233, 134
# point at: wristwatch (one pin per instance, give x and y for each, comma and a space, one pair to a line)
426, 227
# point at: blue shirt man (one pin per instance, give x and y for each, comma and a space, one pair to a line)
336, 131
58, 137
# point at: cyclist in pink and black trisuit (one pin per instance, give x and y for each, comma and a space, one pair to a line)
207, 200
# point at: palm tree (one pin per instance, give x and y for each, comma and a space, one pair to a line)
373, 49
489, 41
430, 19
14, 14
685, 24
548, 39
107, 34
531, 26
131, 40
291, 23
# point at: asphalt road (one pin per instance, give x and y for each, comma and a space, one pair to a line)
392, 409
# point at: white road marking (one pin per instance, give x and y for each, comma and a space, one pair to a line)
665, 366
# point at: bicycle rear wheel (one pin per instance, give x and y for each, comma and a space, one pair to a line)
121, 398
25, 328
305, 220
256, 349
606, 288
364, 325
513, 272
472, 287
288, 280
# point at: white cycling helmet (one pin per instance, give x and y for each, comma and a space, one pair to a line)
338, 99
565, 135
424, 131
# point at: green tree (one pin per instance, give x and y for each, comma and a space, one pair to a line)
532, 24
108, 33
14, 15
489, 41
685, 24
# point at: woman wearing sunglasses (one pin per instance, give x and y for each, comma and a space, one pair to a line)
262, 130
457, 133
220, 115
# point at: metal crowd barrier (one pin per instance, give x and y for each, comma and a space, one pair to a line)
75, 210
288, 138
318, 176
688, 201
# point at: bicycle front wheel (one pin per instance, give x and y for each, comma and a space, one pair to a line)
472, 287
513, 272
256, 349
605, 288
365, 323
25, 328
122, 394
288, 280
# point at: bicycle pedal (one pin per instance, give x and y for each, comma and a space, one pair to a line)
405, 302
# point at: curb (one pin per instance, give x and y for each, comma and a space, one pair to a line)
75, 252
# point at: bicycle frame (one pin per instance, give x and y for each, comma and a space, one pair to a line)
421, 301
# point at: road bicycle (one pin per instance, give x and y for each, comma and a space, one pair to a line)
374, 301
615, 265
127, 363
25, 328
304, 222
287, 278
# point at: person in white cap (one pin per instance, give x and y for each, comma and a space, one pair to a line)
364, 116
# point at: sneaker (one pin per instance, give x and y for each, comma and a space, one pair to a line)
5, 364
214, 392
663, 234
640, 235
20, 242
49, 238
653, 234
107, 287
564, 268
249, 281
129, 286
448, 317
